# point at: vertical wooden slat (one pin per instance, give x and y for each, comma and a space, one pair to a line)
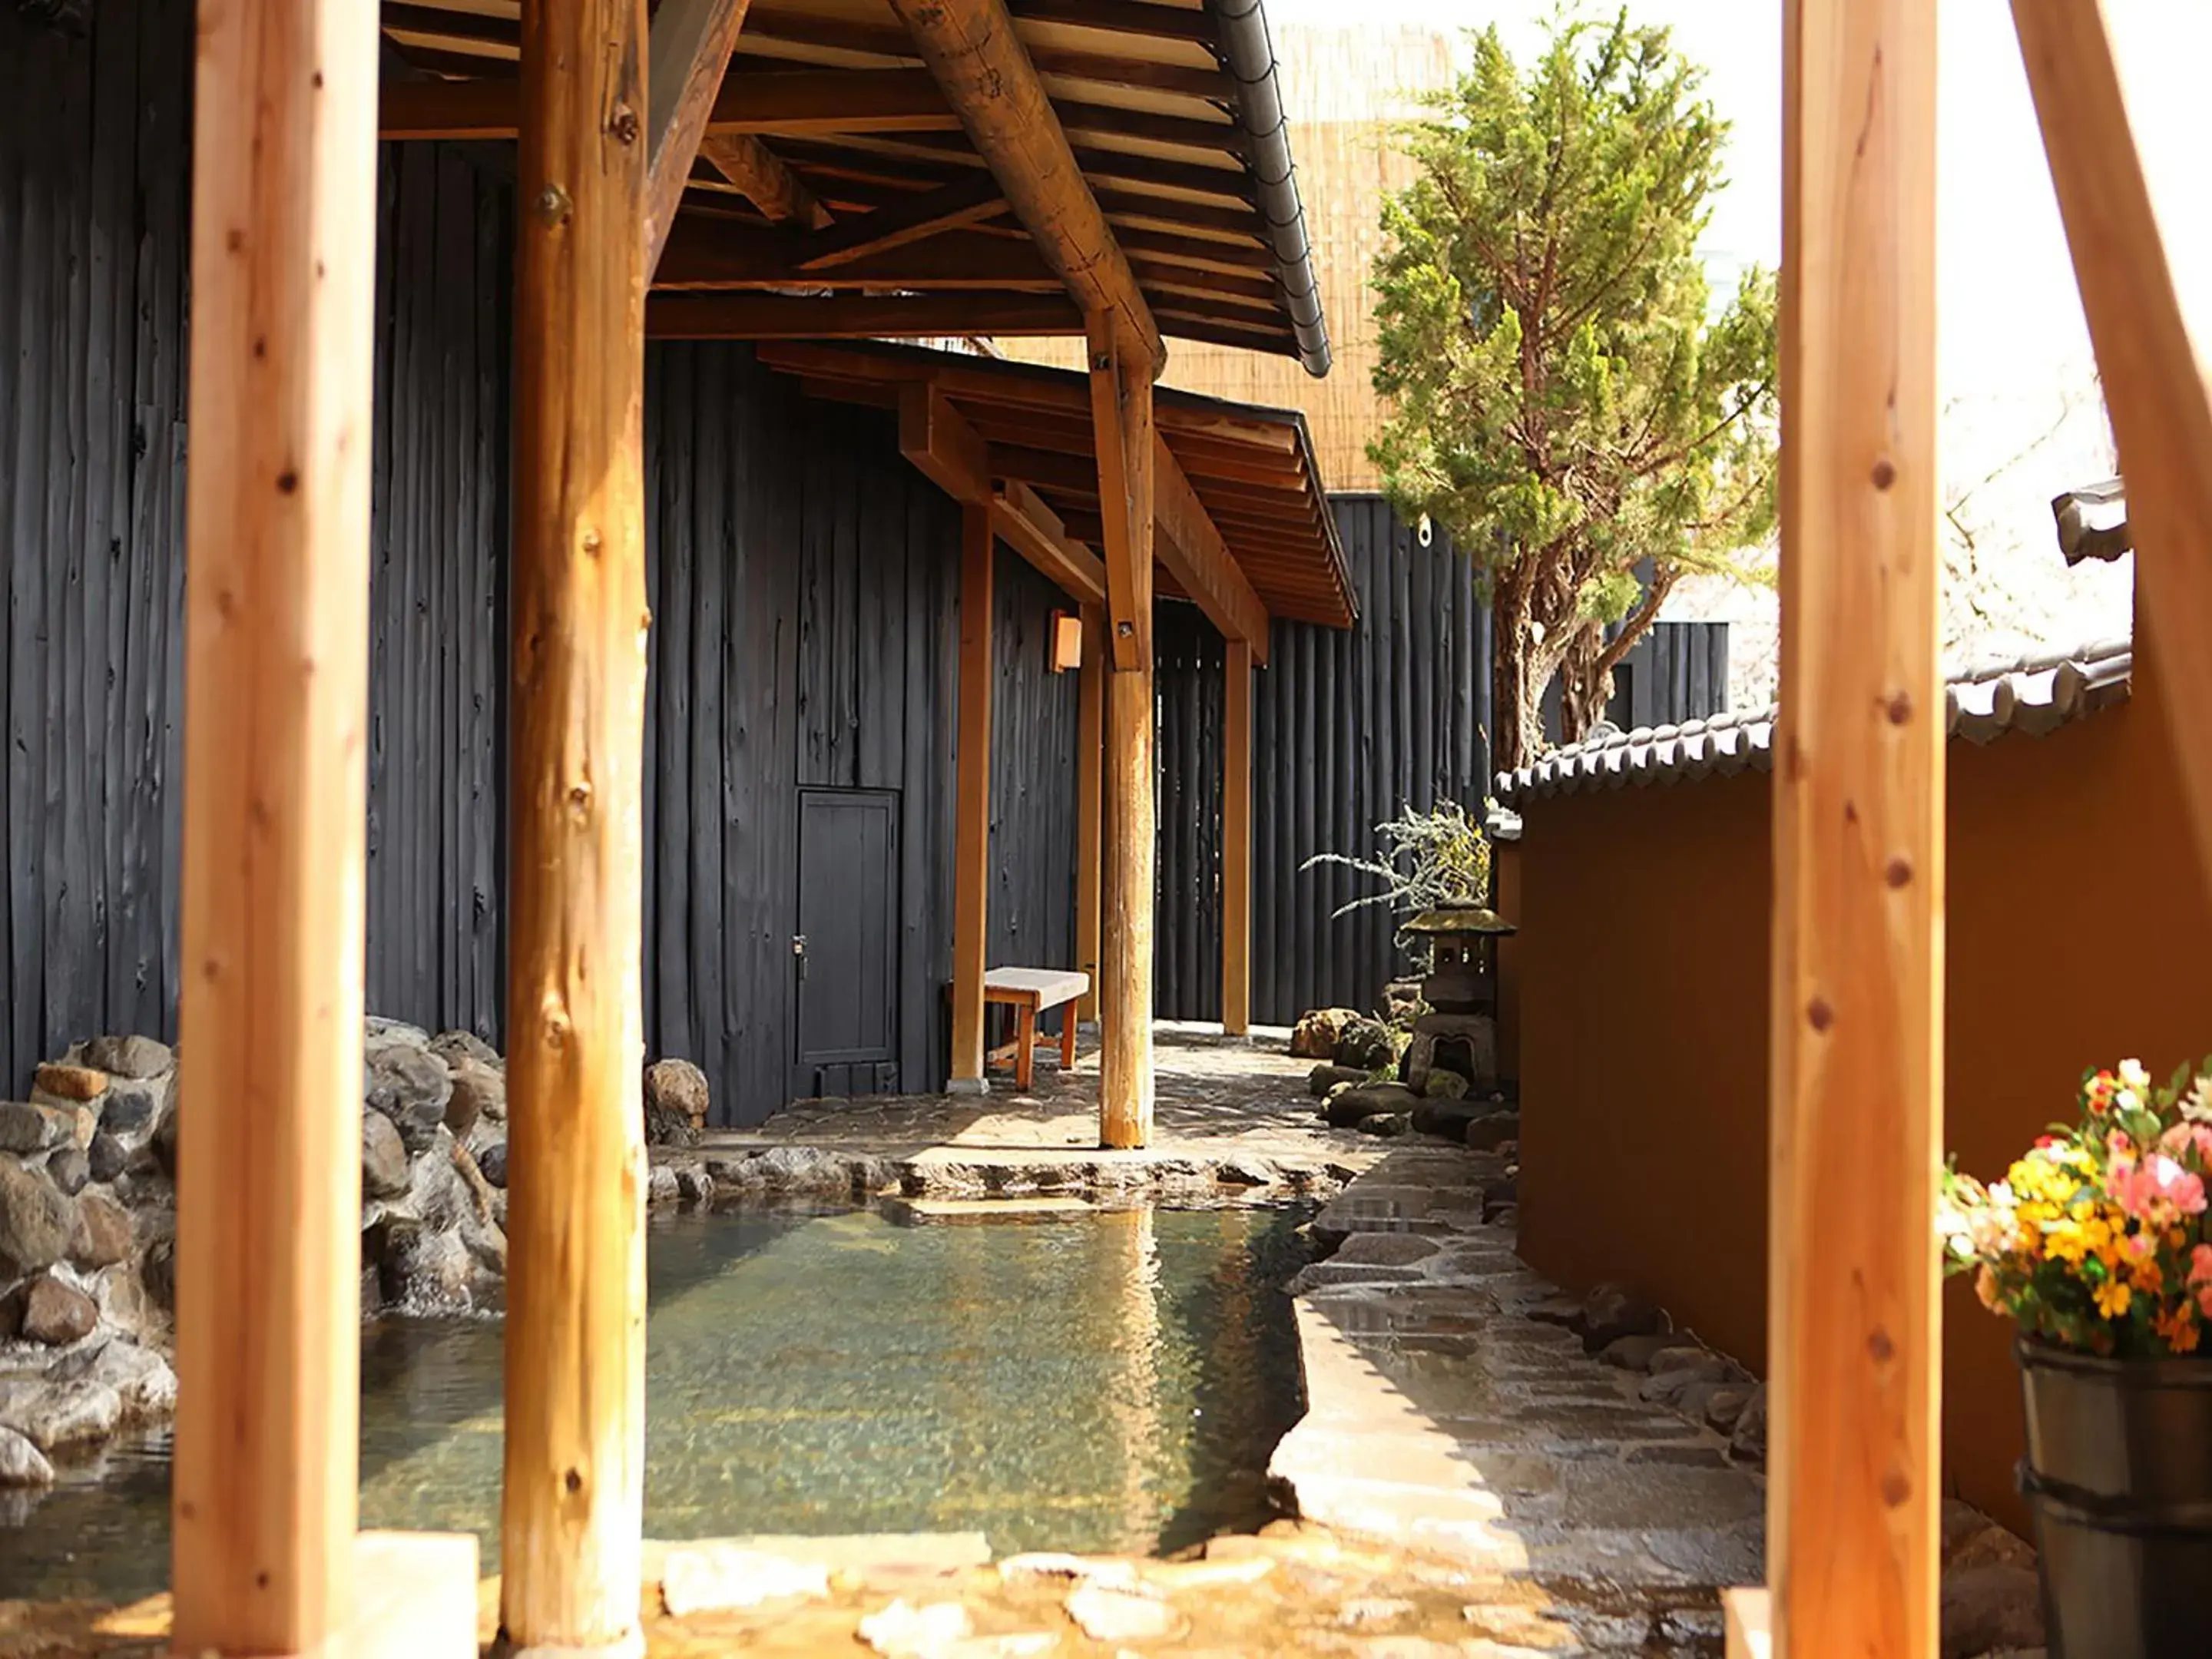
2154, 386
575, 1318
269, 1186
1121, 420
971, 856
1854, 1357
1237, 840
1090, 807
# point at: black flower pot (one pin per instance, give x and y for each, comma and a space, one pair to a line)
2119, 1475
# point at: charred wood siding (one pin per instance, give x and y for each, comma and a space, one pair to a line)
438, 647
94, 186
1349, 728
805, 590
1031, 917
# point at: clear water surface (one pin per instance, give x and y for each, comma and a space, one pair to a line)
1093, 1380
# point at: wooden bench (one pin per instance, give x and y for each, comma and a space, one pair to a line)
1029, 992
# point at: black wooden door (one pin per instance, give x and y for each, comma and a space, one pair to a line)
845, 952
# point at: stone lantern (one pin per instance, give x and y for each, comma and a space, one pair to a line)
1460, 1031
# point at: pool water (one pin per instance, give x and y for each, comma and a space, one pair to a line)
1085, 1380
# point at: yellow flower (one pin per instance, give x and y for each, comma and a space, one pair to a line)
2064, 1242
2146, 1276
2177, 1324
2113, 1297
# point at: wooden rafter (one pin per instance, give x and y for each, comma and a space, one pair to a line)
703, 253
792, 103
1033, 530
773, 23
987, 75
2154, 385
686, 56
1191, 546
856, 316
764, 178
950, 207
1133, 18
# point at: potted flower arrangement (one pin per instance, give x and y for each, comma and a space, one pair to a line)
2096, 1244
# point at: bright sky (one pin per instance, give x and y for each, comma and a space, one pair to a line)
2016, 371
2008, 308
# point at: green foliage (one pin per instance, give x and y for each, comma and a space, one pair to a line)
1567, 404
1432, 860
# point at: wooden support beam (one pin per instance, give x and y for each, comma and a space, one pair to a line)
688, 55
789, 104
1854, 1350
1122, 437
1032, 529
1236, 839
264, 1492
1089, 804
2153, 381
971, 849
1192, 548
1122, 406
575, 1305
937, 438
765, 179
856, 316
949, 207
710, 253
987, 75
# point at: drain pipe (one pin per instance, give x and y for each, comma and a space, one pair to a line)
1250, 58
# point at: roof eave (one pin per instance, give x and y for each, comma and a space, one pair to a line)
1249, 55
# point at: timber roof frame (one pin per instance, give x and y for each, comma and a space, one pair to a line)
1241, 507
841, 187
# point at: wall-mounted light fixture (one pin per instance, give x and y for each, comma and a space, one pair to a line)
1067, 641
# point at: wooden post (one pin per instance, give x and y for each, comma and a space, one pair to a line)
1854, 1350
971, 853
2154, 386
1121, 420
275, 712
1237, 840
575, 1316
1090, 806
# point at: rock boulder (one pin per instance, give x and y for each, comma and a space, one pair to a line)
675, 1102
409, 1084
1314, 1038
36, 1219
1366, 1045
56, 1314
128, 1056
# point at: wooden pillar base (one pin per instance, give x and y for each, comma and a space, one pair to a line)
970, 1087
415, 1596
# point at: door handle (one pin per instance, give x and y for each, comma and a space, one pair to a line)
799, 951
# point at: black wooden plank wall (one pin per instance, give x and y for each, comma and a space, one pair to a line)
805, 581
94, 186
1030, 911
1347, 729
438, 637
1677, 672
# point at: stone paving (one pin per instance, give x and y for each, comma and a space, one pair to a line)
1228, 1112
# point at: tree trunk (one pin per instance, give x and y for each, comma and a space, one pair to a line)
1585, 683
1516, 716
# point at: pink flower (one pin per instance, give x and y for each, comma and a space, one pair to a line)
2154, 1189
2200, 1266
2183, 1136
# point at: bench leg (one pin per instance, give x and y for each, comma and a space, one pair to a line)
1026, 1047
1066, 1036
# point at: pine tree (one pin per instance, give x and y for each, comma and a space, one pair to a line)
1566, 402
